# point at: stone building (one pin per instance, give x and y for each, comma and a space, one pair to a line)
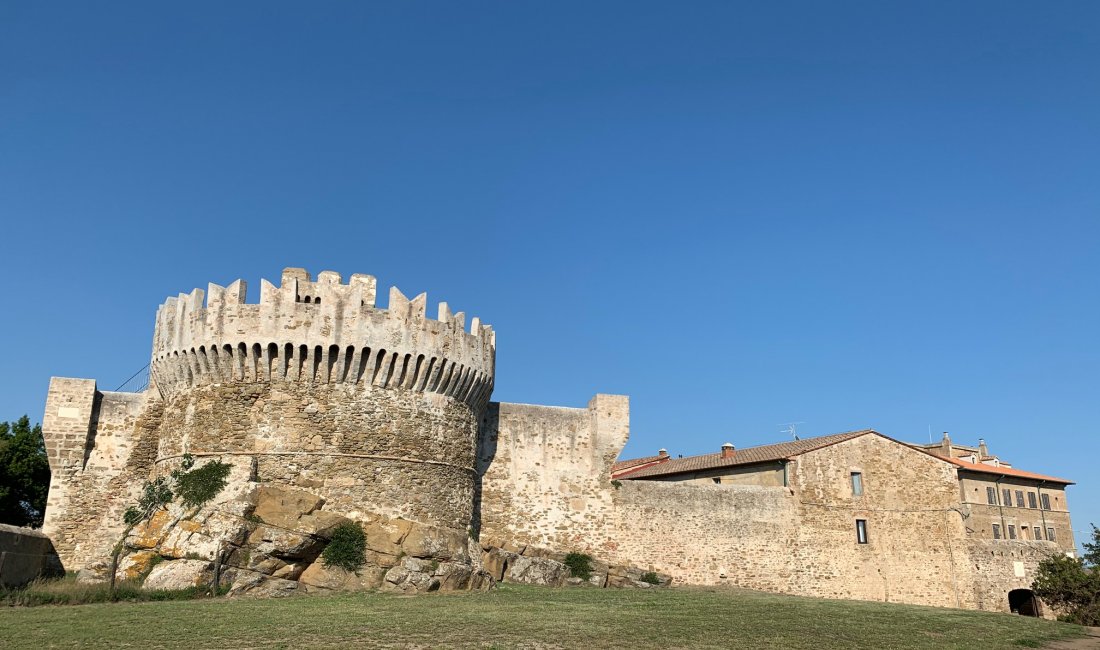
943, 503
329, 408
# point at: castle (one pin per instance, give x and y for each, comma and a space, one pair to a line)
329, 408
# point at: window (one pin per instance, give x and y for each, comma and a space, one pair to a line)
1046, 502
857, 484
1031, 500
1011, 531
1007, 497
717, 479
1025, 531
1038, 533
991, 496
861, 531
996, 531
1050, 534
1019, 498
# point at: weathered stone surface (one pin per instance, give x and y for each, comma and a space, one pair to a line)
179, 574
320, 523
284, 544
150, 532
283, 506
97, 571
437, 543
384, 535
135, 564
257, 584
495, 561
336, 578
536, 571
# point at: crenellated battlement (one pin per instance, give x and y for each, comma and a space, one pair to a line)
320, 331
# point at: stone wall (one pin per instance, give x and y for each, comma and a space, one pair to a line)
361, 448
545, 473
707, 534
96, 464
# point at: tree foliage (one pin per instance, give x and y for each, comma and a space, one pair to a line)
1072, 585
24, 473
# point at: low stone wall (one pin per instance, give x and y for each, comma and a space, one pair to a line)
708, 534
26, 554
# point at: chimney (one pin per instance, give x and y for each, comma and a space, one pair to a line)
983, 451
663, 453
946, 449
727, 450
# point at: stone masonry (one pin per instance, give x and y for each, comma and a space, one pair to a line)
330, 409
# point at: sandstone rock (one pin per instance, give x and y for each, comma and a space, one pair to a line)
320, 523
436, 542
385, 535
412, 576
179, 574
283, 506
150, 532
536, 571
318, 577
269, 540
274, 587
496, 561
98, 571
134, 565
453, 576
622, 576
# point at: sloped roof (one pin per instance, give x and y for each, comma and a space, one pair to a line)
746, 456
1004, 471
622, 465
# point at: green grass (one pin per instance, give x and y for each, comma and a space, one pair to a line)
68, 591
523, 617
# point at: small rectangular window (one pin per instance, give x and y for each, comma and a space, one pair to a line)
991, 496
1038, 532
861, 531
1019, 498
857, 484
1046, 502
1031, 500
996, 531
1011, 531
1050, 534
1006, 497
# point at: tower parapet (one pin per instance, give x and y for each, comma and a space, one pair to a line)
320, 332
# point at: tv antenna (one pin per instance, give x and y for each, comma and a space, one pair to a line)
791, 428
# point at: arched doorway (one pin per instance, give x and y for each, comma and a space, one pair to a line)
1023, 602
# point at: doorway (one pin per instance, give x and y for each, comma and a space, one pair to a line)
1024, 603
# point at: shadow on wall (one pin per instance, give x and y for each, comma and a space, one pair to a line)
488, 433
26, 554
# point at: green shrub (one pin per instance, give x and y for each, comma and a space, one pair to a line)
347, 548
651, 577
580, 565
616, 484
154, 495
197, 486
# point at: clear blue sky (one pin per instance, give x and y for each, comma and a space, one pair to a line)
740, 214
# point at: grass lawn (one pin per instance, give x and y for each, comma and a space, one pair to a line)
516, 616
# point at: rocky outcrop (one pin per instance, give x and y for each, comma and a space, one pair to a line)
507, 561
268, 541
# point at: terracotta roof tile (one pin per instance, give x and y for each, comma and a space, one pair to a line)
1005, 471
635, 462
746, 456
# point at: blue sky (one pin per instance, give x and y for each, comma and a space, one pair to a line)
740, 214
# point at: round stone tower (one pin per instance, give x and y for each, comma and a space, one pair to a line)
375, 410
